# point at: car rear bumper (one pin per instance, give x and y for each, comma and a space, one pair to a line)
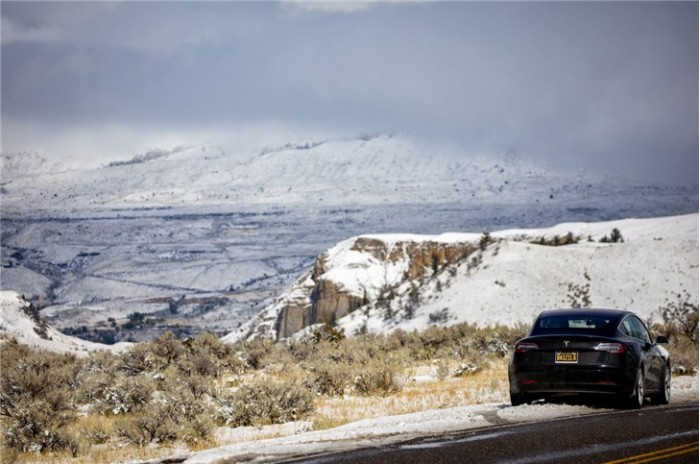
571, 380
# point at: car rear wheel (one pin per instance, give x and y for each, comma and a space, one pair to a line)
516, 399
636, 400
664, 396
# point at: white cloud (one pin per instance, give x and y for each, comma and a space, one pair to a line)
486, 76
301, 7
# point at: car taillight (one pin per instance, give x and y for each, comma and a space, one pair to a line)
614, 348
524, 347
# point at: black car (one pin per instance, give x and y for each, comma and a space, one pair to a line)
582, 351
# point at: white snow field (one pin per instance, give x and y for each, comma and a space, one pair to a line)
515, 279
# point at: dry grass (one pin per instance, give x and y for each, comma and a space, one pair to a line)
101, 454
94, 453
422, 392
425, 387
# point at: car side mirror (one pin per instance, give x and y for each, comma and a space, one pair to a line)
661, 340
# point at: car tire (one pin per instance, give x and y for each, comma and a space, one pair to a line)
664, 396
636, 400
516, 399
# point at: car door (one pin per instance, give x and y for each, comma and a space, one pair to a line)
652, 358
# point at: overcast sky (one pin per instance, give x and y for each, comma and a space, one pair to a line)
601, 85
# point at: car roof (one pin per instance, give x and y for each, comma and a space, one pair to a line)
611, 313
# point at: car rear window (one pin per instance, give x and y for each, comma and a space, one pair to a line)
586, 324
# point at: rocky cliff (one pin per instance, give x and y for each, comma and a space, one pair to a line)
358, 273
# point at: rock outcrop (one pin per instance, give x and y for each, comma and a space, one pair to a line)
345, 278
381, 283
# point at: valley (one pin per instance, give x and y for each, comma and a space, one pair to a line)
205, 237
145, 271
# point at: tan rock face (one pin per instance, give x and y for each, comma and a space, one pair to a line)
328, 301
372, 246
292, 319
429, 257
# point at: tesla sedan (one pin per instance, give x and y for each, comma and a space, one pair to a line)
590, 351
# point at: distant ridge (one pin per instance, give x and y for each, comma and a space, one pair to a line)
370, 169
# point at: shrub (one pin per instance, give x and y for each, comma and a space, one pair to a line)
439, 317
615, 237
378, 378
265, 402
137, 360
99, 361
556, 240
254, 353
200, 363
681, 317
94, 391
684, 356
207, 342
173, 413
167, 349
96, 431
197, 385
680, 324
328, 333
129, 394
329, 378
164, 391
485, 241
35, 399
142, 429
198, 430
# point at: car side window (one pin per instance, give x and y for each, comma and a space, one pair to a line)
635, 328
626, 327
642, 332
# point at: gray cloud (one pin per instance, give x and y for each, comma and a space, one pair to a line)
592, 84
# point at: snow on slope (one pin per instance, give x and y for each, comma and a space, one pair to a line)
508, 282
24, 164
370, 170
657, 261
20, 321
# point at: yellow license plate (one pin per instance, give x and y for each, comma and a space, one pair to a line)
566, 357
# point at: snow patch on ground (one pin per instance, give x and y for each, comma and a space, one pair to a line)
386, 430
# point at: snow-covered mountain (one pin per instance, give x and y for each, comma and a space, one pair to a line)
379, 283
24, 164
205, 235
366, 170
21, 321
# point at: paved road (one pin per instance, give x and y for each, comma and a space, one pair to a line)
667, 434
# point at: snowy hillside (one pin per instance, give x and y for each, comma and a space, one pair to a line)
379, 283
367, 170
205, 235
24, 164
19, 320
